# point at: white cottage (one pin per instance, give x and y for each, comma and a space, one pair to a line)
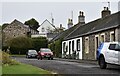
46, 27
72, 47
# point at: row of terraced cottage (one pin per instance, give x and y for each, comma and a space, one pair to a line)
82, 40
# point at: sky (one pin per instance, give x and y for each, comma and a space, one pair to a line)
61, 11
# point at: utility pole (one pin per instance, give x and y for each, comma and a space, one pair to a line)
52, 19
72, 15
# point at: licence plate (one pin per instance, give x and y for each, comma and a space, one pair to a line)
47, 55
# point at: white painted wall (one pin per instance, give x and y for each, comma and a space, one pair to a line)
47, 27
75, 47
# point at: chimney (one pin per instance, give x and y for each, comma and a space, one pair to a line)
60, 26
70, 23
81, 18
105, 12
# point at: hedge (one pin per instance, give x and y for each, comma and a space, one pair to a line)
56, 47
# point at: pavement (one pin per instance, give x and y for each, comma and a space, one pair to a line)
78, 60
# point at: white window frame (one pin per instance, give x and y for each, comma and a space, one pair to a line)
103, 34
112, 32
87, 50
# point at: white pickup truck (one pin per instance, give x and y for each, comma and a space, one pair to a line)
108, 53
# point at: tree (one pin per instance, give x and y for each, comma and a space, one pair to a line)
19, 45
39, 42
32, 23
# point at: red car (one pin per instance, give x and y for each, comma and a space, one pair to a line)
45, 53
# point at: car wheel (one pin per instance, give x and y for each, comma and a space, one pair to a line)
102, 63
38, 57
52, 58
48, 58
41, 58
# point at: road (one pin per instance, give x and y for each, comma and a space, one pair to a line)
65, 67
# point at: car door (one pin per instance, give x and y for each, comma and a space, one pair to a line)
118, 49
112, 54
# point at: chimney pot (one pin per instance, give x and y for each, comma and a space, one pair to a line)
81, 18
60, 25
105, 12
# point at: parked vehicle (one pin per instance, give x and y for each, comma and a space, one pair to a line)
31, 54
45, 53
108, 53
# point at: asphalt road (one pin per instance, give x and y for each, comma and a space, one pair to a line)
65, 67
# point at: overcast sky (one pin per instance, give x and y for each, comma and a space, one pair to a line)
61, 11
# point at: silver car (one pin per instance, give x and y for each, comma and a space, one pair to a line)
31, 54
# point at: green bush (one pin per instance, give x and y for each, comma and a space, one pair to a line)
56, 47
39, 42
19, 45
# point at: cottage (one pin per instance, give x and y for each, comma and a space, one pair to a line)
88, 36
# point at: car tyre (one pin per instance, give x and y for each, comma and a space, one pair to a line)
52, 58
102, 63
38, 57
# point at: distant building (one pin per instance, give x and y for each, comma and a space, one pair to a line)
46, 29
15, 29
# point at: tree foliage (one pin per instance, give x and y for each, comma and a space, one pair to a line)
32, 23
39, 42
56, 46
19, 45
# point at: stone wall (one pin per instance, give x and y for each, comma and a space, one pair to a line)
92, 51
14, 30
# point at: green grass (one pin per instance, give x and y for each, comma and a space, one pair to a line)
23, 69
17, 55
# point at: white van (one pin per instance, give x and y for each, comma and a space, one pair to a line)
108, 52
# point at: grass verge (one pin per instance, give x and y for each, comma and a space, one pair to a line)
23, 69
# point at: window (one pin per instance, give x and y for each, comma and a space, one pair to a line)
86, 45
43, 29
78, 45
112, 46
112, 36
73, 45
64, 46
102, 38
69, 47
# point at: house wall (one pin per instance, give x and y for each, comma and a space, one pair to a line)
92, 42
66, 48
14, 30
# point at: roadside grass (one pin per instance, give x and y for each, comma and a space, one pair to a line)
22, 69
17, 55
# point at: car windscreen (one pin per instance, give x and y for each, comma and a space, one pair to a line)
118, 46
45, 50
32, 52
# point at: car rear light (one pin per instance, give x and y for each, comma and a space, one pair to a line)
42, 53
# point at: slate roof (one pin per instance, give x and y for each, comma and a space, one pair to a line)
51, 35
65, 33
19, 23
98, 25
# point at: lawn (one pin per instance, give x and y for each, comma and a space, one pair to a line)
23, 69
